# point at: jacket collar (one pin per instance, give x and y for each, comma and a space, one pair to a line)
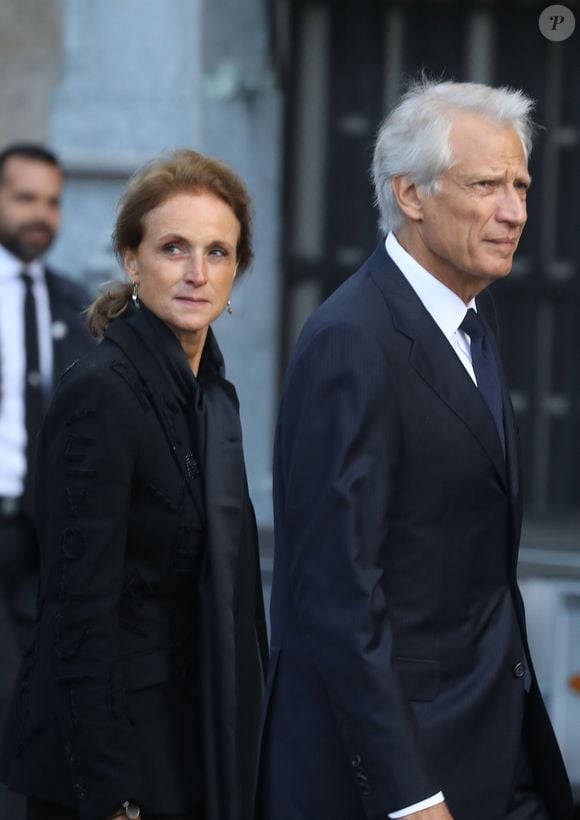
162, 367
436, 362
153, 350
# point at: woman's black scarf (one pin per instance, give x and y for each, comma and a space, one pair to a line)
188, 391
232, 622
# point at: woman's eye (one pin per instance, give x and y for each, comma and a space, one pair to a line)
218, 252
171, 248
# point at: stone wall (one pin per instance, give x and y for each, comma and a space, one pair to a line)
111, 83
30, 67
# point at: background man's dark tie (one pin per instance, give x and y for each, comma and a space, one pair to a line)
34, 397
485, 368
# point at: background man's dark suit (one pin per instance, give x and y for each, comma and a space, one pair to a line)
18, 543
71, 339
30, 189
395, 506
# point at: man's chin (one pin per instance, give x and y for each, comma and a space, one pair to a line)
500, 271
27, 251
34, 251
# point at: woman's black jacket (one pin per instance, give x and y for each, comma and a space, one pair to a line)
144, 680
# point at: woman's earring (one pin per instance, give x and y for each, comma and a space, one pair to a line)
135, 295
230, 308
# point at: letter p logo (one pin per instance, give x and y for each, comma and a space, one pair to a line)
557, 23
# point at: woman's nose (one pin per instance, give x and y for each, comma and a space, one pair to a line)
195, 271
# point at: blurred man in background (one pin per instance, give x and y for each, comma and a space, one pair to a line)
42, 331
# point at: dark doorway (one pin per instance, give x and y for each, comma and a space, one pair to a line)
343, 64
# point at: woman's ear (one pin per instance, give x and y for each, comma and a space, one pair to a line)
130, 265
409, 197
235, 270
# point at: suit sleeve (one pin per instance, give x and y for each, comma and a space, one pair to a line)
338, 449
87, 457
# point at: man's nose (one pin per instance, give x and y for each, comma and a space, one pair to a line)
512, 207
47, 212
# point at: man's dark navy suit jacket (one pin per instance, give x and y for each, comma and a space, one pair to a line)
399, 651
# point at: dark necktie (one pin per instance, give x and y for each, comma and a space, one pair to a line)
34, 400
485, 368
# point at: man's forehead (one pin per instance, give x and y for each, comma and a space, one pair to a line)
19, 167
476, 169
470, 130
479, 143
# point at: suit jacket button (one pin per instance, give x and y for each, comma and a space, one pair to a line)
519, 670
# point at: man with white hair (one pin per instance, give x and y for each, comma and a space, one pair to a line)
401, 683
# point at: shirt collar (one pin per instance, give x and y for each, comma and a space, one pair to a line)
11, 266
445, 306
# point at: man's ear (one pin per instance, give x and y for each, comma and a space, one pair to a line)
409, 197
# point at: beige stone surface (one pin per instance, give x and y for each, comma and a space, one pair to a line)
30, 66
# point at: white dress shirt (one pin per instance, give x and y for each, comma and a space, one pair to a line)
13, 365
448, 311
446, 307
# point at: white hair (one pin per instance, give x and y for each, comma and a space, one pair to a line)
414, 138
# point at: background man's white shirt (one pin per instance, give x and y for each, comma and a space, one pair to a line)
13, 365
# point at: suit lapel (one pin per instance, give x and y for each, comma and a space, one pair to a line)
224, 471
434, 359
60, 319
513, 462
225, 505
511, 447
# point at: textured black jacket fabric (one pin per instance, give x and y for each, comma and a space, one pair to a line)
149, 594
